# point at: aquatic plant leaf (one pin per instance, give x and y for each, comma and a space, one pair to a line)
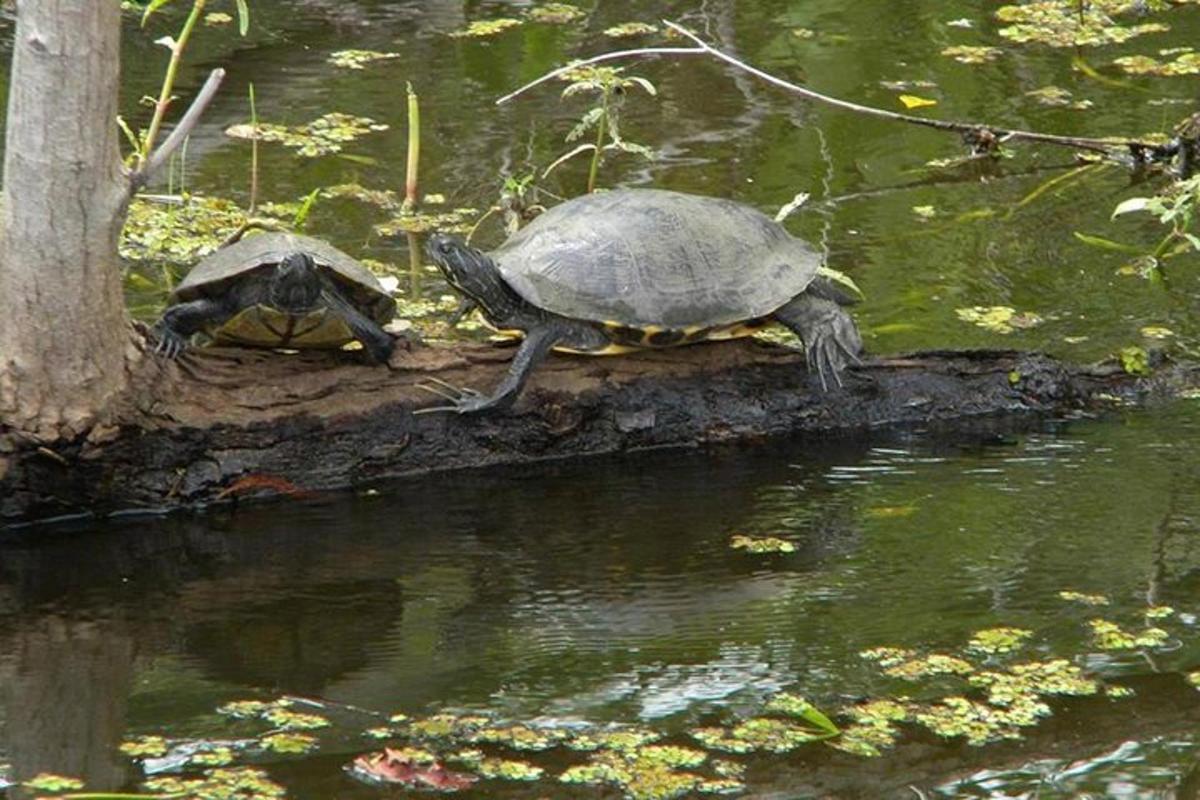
629, 29
49, 782
1156, 332
925, 666
325, 135
358, 59
487, 27
216, 18
1134, 360
556, 13
971, 54
289, 743
766, 544
1084, 599
394, 766
998, 640
290, 720
911, 101
998, 319
145, 747
1065, 23
209, 756
1106, 244
1186, 64
1108, 635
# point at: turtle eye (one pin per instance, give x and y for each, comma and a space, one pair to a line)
444, 246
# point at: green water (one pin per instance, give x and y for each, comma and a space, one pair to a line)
607, 591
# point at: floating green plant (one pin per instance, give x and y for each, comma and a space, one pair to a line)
358, 59
630, 29
978, 723
1118, 692
498, 768
487, 27
322, 136
217, 756
235, 783
556, 13
998, 319
49, 782
217, 18
765, 544
290, 720
998, 640
1186, 64
972, 54
927, 666
1109, 635
179, 232
1067, 23
245, 709
446, 726
1193, 678
458, 220
652, 773
621, 739
1084, 599
382, 198
520, 737
289, 743
1134, 360
1058, 97
887, 656
145, 747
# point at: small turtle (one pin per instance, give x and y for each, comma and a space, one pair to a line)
279, 290
638, 268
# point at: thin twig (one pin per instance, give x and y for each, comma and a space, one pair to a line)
966, 128
160, 156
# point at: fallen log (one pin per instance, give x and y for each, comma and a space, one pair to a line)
224, 421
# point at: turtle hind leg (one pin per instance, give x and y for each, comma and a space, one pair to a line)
831, 339
378, 343
180, 321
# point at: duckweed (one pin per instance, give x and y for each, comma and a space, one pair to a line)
358, 59
245, 709
1186, 64
998, 319
486, 27
1084, 599
322, 136
887, 656
49, 782
623, 740
1062, 23
213, 757
237, 783
290, 720
641, 775
926, 666
458, 220
971, 54
978, 723
145, 747
1058, 97
767, 544
520, 737
630, 29
998, 640
556, 13
498, 768
180, 232
289, 743
1109, 635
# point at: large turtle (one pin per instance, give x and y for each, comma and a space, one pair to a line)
638, 268
279, 290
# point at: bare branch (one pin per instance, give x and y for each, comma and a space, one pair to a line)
981, 137
189, 121
644, 51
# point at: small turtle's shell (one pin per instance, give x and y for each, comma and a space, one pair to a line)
648, 258
214, 275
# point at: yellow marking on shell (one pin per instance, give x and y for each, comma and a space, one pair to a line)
610, 349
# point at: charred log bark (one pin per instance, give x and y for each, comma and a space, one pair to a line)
227, 420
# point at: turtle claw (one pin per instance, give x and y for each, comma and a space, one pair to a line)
463, 399
170, 344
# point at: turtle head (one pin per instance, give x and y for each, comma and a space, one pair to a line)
296, 284
468, 270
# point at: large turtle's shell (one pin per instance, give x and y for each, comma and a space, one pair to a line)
213, 276
647, 257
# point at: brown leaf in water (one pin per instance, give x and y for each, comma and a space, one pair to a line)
395, 766
250, 483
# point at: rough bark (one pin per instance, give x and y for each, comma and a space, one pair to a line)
64, 338
221, 422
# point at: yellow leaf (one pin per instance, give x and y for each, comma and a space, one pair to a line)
912, 101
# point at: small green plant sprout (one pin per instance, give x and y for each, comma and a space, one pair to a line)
767, 544
1175, 207
610, 85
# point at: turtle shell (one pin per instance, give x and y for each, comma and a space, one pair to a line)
648, 258
215, 274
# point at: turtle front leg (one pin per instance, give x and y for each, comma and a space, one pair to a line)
180, 321
831, 339
534, 347
378, 342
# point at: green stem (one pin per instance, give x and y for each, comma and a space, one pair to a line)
164, 96
414, 152
253, 154
601, 132
1167, 241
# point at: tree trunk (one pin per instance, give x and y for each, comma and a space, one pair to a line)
64, 335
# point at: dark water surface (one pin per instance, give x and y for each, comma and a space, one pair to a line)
607, 591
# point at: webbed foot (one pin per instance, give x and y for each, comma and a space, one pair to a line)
830, 348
